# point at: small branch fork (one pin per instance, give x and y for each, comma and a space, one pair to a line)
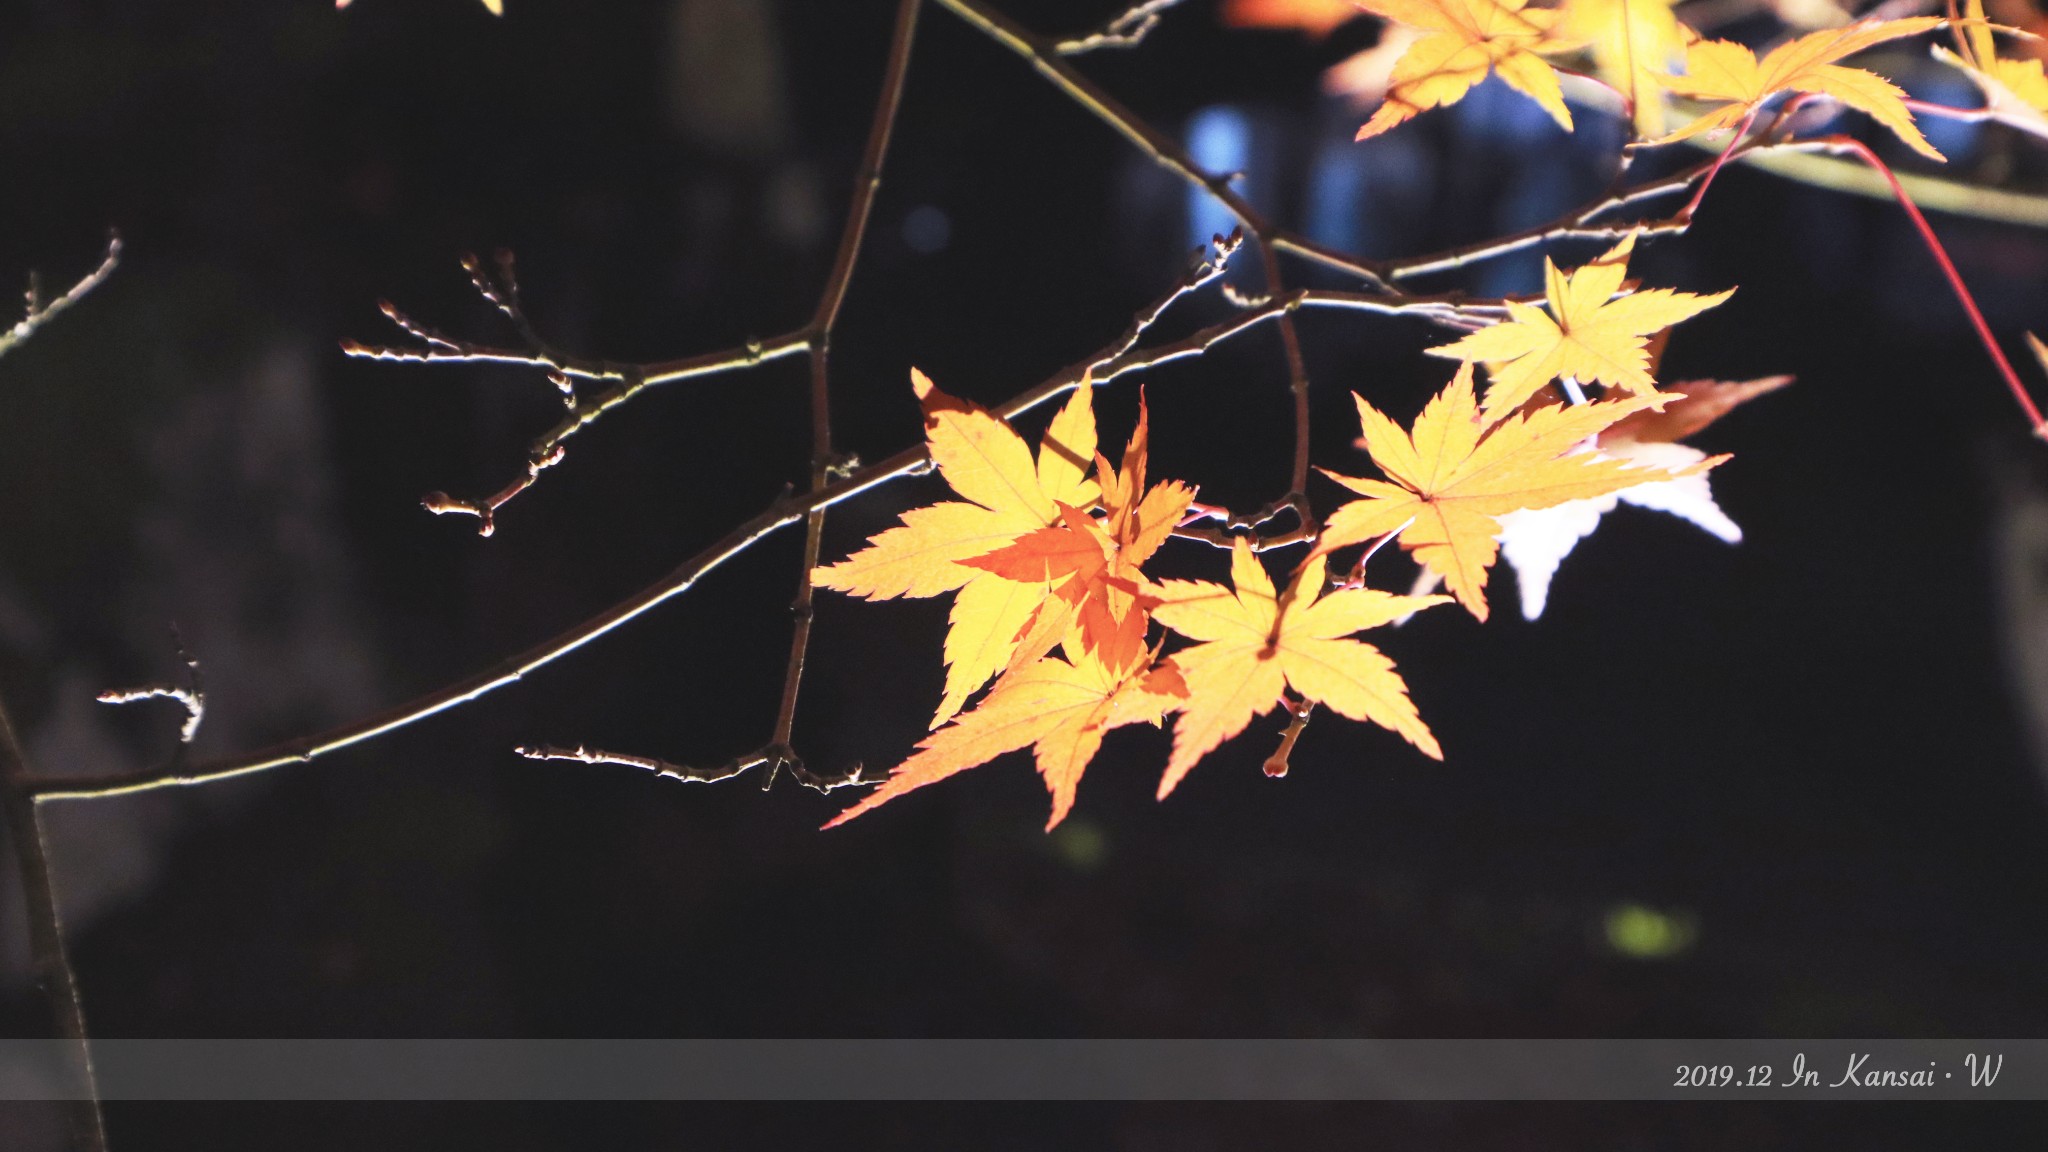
499, 284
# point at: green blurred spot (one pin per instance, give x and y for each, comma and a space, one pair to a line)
1079, 844
1641, 933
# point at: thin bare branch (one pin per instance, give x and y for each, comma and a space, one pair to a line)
193, 700
1205, 265
1044, 56
1126, 31
1579, 224
500, 287
867, 182
191, 694
39, 311
689, 775
1260, 541
692, 775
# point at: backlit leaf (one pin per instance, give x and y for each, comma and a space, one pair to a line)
1597, 331
1255, 643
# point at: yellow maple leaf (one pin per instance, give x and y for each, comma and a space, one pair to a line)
1061, 709
1597, 332
1007, 494
1731, 75
2015, 91
1467, 39
1633, 41
1454, 476
1255, 643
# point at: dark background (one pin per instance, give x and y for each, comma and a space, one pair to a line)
1803, 756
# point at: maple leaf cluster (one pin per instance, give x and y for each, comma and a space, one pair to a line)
1434, 51
1045, 554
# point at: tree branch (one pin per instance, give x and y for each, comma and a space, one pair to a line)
626, 381
47, 956
1578, 224
1126, 31
686, 773
867, 182
40, 311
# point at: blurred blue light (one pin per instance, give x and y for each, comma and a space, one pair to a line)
1220, 140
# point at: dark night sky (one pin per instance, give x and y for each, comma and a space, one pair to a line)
1808, 749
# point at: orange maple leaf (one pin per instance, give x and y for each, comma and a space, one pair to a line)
1455, 476
1061, 709
1597, 332
1097, 565
1697, 404
1255, 643
1315, 17
1731, 75
1007, 495
1465, 40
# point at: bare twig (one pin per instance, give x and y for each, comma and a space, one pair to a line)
191, 694
194, 702
1578, 224
686, 773
1259, 541
1126, 31
582, 755
1205, 265
625, 381
39, 311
